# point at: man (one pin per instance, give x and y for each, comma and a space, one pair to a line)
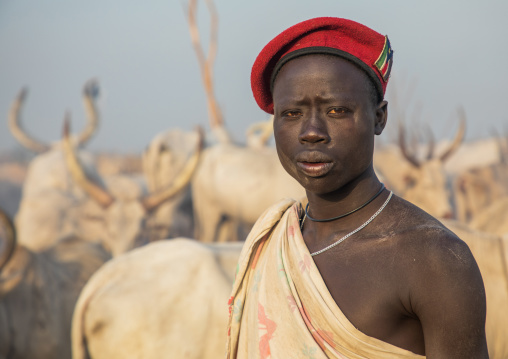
358, 272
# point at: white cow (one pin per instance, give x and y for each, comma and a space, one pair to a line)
423, 182
70, 198
164, 300
234, 185
40, 220
162, 159
478, 187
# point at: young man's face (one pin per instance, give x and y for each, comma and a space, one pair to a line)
325, 121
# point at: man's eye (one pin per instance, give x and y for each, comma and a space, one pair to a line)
292, 113
337, 111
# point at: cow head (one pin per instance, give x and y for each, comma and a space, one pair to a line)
425, 182
419, 179
121, 206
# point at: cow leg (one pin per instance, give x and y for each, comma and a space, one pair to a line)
207, 222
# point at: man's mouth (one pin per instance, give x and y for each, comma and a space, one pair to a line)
315, 169
314, 163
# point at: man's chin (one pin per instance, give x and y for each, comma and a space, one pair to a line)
316, 185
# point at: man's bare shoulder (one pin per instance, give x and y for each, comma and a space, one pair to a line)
418, 231
429, 247
445, 287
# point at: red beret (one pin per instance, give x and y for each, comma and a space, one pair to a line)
348, 39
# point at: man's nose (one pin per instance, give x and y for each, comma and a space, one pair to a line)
313, 131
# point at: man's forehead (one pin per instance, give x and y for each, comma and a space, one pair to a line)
324, 69
320, 63
292, 97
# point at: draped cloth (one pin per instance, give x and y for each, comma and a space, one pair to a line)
280, 306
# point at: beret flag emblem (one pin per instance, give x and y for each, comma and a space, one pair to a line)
385, 59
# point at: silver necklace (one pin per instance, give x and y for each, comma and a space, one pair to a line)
307, 215
353, 232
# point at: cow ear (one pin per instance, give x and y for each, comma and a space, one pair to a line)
381, 117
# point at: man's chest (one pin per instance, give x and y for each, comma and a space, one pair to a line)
370, 288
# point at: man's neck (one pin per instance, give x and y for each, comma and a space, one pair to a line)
347, 199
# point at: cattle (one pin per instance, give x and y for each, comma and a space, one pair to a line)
477, 188
423, 182
48, 189
164, 300
38, 291
234, 185
125, 209
162, 160
49, 197
73, 198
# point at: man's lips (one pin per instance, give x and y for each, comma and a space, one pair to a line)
314, 163
315, 169
313, 157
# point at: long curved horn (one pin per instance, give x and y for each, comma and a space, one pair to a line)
459, 137
403, 148
153, 200
90, 94
432, 143
206, 64
17, 131
10, 230
95, 191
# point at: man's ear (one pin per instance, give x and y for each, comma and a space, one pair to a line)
381, 117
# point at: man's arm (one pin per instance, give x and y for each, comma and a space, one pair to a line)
449, 299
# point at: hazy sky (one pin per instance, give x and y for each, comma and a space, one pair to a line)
452, 52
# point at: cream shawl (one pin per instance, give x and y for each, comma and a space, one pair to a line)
280, 306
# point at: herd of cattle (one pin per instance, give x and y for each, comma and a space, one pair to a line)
86, 270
